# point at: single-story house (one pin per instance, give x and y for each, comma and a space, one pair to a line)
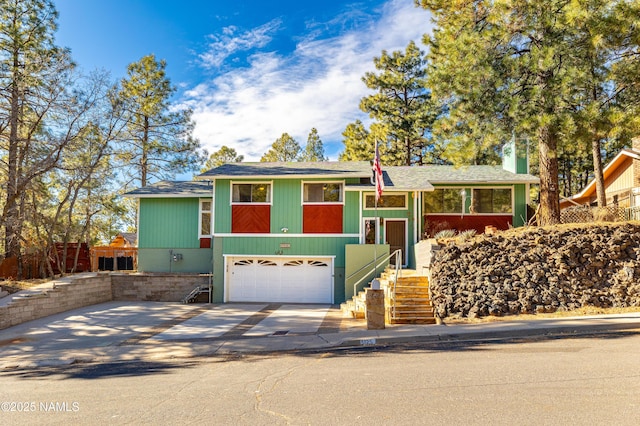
621, 182
300, 232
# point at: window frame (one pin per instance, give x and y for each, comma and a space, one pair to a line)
245, 203
386, 194
511, 191
322, 182
458, 189
363, 234
202, 211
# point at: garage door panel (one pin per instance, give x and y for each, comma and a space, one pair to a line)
262, 279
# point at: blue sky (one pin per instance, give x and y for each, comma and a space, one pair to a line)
250, 69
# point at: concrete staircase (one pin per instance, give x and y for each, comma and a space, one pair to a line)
354, 307
409, 305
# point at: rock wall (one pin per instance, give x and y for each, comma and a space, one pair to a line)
62, 297
537, 270
155, 287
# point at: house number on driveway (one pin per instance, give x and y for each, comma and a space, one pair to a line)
367, 342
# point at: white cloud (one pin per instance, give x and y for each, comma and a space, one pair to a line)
229, 42
318, 85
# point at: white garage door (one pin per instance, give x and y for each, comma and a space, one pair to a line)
268, 279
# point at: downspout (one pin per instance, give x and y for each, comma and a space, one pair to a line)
416, 219
360, 215
213, 221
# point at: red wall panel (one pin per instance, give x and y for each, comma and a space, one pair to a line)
322, 219
436, 222
251, 219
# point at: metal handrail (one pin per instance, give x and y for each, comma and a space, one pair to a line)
365, 267
398, 265
396, 253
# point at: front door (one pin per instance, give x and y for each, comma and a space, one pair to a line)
396, 237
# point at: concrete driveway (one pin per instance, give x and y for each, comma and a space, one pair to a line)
117, 324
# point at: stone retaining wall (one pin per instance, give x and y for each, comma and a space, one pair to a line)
538, 270
102, 288
62, 297
155, 287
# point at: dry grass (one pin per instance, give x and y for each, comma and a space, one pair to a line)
13, 286
584, 311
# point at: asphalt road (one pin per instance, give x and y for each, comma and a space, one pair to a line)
572, 381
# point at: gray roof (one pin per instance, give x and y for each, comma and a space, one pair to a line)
474, 174
396, 178
130, 237
342, 169
422, 178
174, 189
399, 178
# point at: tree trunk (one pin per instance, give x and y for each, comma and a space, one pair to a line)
598, 172
407, 144
10, 213
549, 195
144, 160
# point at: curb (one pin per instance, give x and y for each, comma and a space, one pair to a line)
364, 342
501, 335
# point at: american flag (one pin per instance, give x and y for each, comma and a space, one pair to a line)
377, 170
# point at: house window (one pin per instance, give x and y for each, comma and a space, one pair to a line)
251, 193
388, 201
322, 193
447, 200
496, 200
205, 217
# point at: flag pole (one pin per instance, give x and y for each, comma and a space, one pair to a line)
379, 181
377, 233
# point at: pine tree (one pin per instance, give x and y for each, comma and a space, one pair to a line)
159, 142
33, 87
357, 144
284, 149
403, 104
510, 66
314, 150
222, 156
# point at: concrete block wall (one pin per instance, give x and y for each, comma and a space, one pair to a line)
155, 287
62, 297
102, 288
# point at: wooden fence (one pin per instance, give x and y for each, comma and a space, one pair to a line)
587, 214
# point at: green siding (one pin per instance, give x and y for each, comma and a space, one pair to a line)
515, 157
168, 223
351, 213
222, 203
299, 246
286, 210
159, 260
520, 211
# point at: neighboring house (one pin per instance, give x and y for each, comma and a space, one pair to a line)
297, 232
621, 182
124, 239
120, 255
